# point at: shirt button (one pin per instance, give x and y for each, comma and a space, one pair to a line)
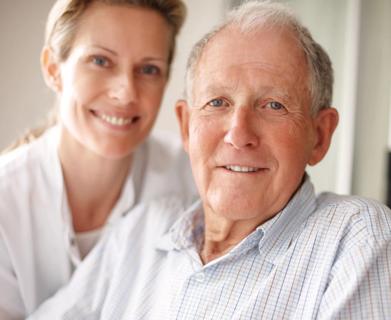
199, 277
196, 265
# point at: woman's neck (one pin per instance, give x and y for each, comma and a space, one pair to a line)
93, 184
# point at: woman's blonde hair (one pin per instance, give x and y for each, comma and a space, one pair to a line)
61, 28
64, 17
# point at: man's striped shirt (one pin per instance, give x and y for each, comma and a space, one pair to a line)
326, 257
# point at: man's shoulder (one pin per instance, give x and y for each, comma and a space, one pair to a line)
353, 217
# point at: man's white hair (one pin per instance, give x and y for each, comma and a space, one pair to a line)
255, 15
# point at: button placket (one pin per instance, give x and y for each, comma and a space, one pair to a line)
200, 277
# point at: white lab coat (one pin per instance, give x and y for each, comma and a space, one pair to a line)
38, 252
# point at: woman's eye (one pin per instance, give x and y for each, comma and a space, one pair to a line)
216, 103
100, 61
274, 105
150, 69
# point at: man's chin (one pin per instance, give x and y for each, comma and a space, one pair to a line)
235, 209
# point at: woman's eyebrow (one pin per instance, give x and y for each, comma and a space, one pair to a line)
97, 46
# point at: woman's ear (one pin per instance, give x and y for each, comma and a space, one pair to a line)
51, 69
182, 114
325, 123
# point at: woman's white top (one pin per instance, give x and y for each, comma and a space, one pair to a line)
85, 241
38, 247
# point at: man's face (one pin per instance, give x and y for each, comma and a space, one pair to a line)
249, 131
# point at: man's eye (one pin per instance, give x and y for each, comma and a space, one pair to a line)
100, 61
150, 69
216, 103
274, 105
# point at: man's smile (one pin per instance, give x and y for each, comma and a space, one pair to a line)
238, 168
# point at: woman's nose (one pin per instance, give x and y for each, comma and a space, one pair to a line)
123, 90
241, 132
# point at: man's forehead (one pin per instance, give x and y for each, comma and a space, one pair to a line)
259, 58
267, 48
210, 70
232, 78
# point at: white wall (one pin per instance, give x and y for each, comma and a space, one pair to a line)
23, 96
373, 100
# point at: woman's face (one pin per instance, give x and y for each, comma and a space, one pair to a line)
111, 85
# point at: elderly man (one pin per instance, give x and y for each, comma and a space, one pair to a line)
259, 244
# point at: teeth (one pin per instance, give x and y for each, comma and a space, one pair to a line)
115, 121
241, 169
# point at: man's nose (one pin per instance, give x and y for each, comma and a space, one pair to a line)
241, 132
123, 90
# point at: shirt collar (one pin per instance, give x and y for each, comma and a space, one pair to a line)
131, 189
273, 237
186, 231
126, 200
280, 231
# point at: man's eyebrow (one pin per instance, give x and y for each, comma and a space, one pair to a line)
279, 93
264, 90
211, 88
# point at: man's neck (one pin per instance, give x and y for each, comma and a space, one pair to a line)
222, 234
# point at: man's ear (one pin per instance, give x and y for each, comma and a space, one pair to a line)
325, 123
182, 114
51, 69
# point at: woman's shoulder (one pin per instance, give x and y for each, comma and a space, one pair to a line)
166, 144
19, 159
165, 154
23, 156
167, 167
22, 164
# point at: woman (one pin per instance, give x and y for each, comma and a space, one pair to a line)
108, 62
